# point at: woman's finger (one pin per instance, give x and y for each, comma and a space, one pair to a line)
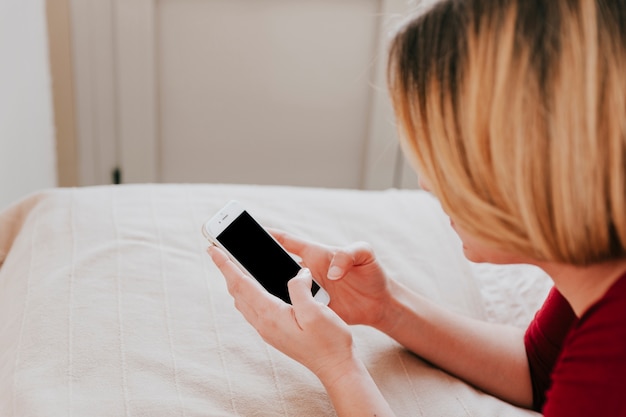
293, 244
305, 307
355, 254
231, 272
300, 287
218, 256
245, 289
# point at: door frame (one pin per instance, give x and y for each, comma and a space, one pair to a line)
114, 45
61, 74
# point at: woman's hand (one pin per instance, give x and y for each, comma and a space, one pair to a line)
310, 333
306, 331
358, 287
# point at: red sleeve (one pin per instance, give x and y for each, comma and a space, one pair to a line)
544, 341
589, 378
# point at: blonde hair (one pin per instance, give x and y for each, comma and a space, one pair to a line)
515, 110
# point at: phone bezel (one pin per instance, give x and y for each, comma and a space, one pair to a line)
221, 220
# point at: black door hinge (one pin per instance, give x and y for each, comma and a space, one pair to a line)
116, 175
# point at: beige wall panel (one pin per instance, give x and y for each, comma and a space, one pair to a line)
272, 92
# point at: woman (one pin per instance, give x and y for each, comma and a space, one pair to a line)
514, 114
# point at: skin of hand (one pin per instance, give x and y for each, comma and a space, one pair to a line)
487, 355
358, 287
306, 331
362, 294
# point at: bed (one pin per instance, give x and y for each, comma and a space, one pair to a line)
109, 305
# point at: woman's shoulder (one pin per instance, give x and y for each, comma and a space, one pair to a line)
590, 373
607, 316
601, 331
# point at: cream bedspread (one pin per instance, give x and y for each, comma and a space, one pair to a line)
109, 305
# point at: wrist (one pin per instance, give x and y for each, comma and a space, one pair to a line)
392, 310
343, 374
353, 391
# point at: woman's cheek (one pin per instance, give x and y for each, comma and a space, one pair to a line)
473, 250
472, 255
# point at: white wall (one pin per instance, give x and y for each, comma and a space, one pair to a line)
27, 146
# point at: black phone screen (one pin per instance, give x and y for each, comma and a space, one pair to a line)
261, 255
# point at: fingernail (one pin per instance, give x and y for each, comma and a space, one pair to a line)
303, 271
211, 250
334, 272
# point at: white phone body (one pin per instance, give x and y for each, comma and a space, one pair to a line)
255, 251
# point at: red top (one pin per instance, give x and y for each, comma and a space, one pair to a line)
578, 366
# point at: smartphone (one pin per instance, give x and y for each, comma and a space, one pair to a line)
254, 250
